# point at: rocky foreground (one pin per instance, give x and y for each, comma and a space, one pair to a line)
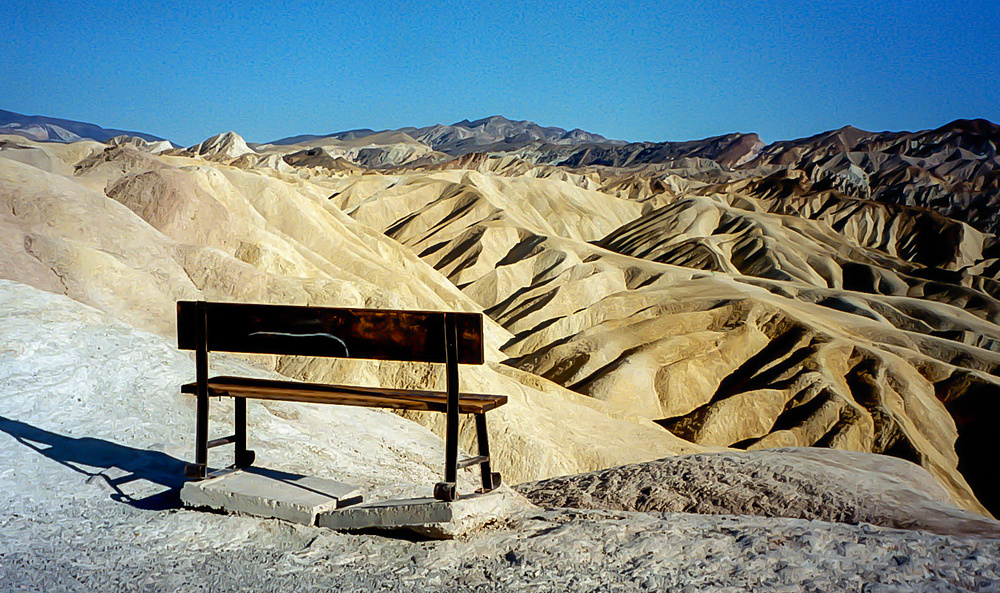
56, 549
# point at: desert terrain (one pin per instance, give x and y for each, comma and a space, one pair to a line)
729, 364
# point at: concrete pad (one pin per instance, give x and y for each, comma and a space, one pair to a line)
428, 516
271, 494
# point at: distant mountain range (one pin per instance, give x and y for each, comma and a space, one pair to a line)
54, 129
954, 169
550, 145
490, 134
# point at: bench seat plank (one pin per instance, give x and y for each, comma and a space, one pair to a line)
378, 397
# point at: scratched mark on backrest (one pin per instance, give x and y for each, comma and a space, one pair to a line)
378, 334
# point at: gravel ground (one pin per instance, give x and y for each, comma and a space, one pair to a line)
97, 545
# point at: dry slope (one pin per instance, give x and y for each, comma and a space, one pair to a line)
690, 304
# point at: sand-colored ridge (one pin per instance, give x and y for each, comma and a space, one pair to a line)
186, 229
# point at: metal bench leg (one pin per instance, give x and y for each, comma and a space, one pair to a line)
491, 480
244, 458
199, 469
446, 490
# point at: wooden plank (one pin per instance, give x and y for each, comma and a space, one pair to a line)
331, 398
299, 385
374, 397
322, 331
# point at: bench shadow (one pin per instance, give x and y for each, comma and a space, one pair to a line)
140, 464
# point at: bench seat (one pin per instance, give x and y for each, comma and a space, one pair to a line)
371, 397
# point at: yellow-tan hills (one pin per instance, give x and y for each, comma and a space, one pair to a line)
636, 313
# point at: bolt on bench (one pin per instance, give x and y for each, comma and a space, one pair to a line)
414, 336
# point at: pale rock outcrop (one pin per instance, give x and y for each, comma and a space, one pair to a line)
823, 484
225, 146
154, 147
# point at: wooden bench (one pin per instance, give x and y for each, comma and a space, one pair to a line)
416, 336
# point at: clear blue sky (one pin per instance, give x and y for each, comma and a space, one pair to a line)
643, 70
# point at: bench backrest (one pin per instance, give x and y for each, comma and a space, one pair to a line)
379, 334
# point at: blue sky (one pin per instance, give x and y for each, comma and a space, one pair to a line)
643, 70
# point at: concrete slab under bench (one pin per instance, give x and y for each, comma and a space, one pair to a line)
428, 516
270, 494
